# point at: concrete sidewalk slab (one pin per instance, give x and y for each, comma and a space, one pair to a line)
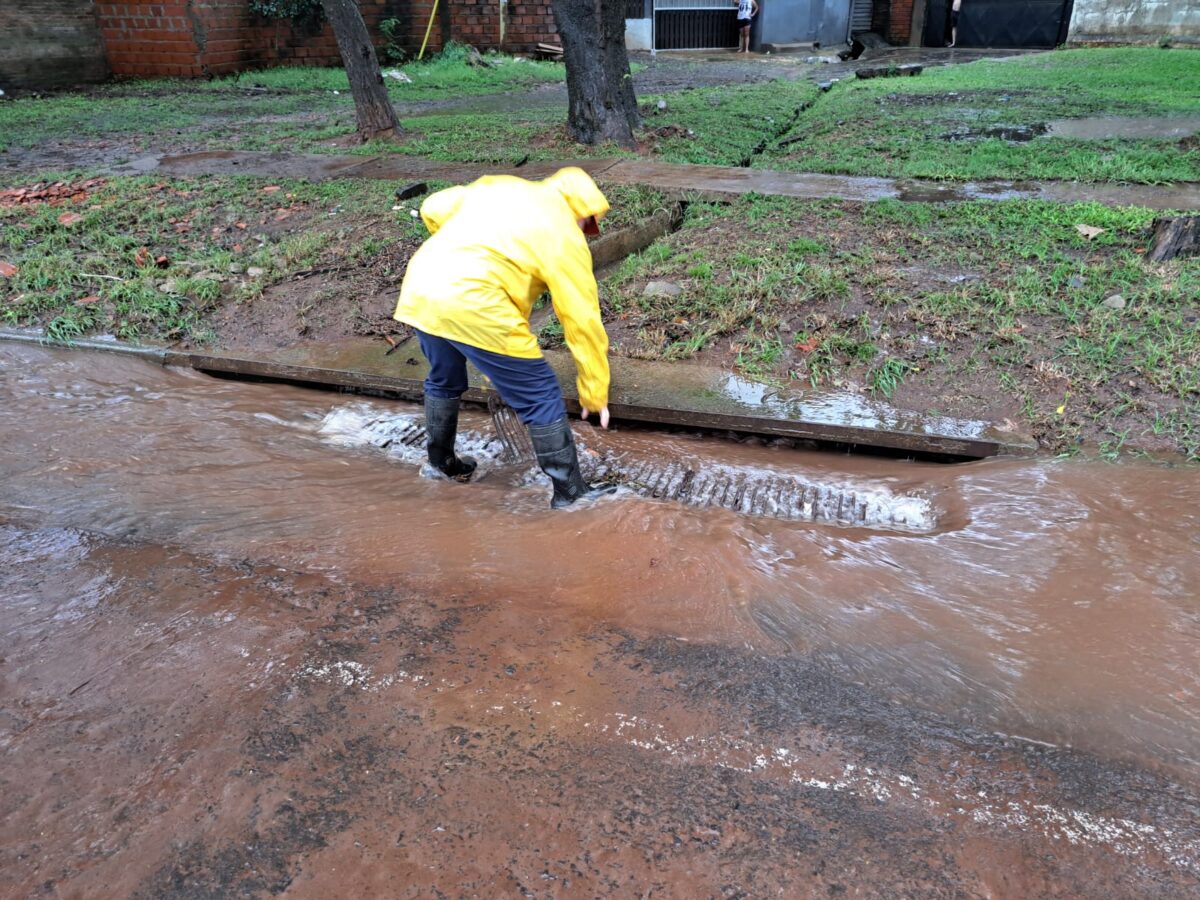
707, 180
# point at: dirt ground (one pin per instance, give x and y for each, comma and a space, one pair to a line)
219, 729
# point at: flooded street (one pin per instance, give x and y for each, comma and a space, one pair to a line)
246, 648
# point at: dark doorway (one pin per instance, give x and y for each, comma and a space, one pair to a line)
999, 23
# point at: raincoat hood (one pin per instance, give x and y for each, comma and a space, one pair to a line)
580, 192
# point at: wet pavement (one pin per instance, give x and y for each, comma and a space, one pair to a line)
243, 650
702, 180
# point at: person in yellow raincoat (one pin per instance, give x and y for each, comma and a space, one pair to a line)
495, 245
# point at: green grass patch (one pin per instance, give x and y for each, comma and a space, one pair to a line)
149, 258
242, 111
715, 126
722, 125
904, 127
1001, 309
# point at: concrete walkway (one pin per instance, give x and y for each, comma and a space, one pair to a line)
646, 392
704, 180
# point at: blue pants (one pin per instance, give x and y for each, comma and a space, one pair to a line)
529, 386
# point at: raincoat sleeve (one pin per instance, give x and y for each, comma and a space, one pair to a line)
439, 207
576, 302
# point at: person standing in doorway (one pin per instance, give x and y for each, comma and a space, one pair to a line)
746, 10
955, 6
495, 246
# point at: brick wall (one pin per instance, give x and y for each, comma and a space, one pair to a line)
899, 21
528, 25
49, 44
200, 37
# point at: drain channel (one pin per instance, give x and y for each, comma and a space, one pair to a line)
769, 494
743, 490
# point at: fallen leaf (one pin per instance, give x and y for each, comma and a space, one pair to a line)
241, 225
1062, 409
281, 214
142, 257
90, 298
237, 248
391, 340
809, 345
270, 189
69, 218
162, 262
1089, 231
7, 270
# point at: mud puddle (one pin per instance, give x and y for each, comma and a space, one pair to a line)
1096, 128
1099, 128
246, 649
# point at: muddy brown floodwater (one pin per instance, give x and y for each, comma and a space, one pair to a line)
246, 649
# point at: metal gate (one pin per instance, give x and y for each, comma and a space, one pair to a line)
695, 25
1009, 24
860, 16
824, 23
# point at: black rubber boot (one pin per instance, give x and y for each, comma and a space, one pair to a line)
441, 427
555, 448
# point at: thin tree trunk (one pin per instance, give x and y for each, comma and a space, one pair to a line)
373, 108
602, 106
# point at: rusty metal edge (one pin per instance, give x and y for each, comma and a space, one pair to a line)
413, 389
36, 337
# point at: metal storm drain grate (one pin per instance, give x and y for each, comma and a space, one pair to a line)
741, 489
759, 492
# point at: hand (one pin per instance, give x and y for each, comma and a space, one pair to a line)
603, 416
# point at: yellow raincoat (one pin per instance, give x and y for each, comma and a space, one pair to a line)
496, 245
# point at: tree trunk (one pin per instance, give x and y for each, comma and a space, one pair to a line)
373, 108
1174, 237
602, 106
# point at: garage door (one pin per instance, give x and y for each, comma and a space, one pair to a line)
694, 25
999, 23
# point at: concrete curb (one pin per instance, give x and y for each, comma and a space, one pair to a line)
649, 393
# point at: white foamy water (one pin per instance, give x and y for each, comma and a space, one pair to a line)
402, 435
748, 490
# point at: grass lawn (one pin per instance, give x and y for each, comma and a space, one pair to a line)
994, 310
195, 259
714, 126
931, 126
247, 110
311, 110
901, 126
148, 258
